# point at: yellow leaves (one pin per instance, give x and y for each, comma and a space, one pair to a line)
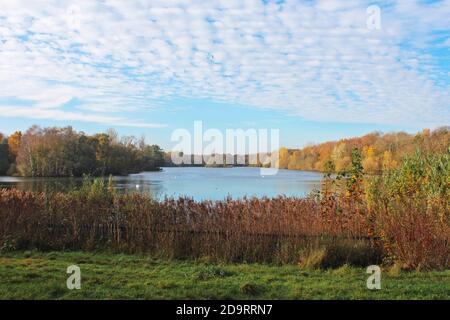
283, 160
371, 164
379, 151
14, 142
369, 151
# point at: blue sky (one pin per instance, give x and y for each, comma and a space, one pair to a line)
312, 69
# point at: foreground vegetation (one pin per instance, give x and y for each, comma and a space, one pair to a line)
36, 275
400, 218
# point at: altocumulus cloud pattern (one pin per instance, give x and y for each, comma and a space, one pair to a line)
95, 61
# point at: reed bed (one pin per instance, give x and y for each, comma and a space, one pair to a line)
251, 230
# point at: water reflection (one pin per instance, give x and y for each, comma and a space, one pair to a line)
198, 183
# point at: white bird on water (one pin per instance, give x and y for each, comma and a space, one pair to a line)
137, 186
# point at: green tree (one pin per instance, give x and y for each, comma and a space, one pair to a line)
4, 157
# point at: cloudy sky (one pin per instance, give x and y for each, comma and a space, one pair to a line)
314, 69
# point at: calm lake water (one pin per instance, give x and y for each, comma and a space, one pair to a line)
196, 182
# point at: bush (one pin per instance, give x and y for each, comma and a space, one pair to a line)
413, 216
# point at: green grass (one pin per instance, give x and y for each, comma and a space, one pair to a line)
37, 275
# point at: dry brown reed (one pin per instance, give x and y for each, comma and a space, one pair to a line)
250, 230
327, 231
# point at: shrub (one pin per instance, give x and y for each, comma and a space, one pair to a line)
413, 216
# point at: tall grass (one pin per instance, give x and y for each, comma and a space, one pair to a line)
402, 216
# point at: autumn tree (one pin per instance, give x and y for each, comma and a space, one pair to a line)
283, 158
63, 152
379, 151
14, 143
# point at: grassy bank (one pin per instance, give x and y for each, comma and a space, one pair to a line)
36, 275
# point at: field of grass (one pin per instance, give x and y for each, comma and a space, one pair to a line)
37, 275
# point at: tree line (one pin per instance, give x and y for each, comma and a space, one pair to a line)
56, 152
64, 152
378, 151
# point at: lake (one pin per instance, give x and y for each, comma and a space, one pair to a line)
197, 182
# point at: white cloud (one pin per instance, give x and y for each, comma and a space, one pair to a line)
313, 60
38, 113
